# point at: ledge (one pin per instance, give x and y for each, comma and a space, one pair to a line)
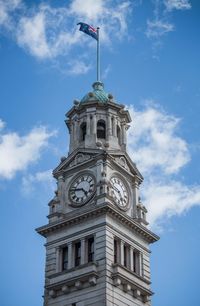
74, 277
131, 282
90, 212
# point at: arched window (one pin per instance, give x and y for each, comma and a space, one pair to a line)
83, 131
101, 129
119, 134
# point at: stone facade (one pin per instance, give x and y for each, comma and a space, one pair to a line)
97, 242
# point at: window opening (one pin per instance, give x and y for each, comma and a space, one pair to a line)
77, 254
64, 258
83, 131
115, 251
101, 129
119, 135
136, 262
91, 249
125, 256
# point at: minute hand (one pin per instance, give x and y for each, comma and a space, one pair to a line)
116, 189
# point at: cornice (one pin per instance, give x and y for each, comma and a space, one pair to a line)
105, 209
110, 104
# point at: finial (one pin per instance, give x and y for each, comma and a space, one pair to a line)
98, 86
76, 102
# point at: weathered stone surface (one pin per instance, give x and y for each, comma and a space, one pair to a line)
106, 257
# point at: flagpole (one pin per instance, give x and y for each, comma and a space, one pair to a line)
98, 56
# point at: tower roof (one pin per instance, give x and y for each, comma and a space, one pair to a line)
98, 93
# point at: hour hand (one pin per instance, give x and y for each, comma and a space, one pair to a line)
115, 189
80, 189
77, 189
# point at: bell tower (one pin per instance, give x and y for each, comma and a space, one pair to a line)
97, 240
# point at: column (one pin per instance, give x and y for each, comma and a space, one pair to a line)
131, 258
88, 124
124, 133
140, 255
75, 131
83, 251
70, 135
58, 259
109, 123
122, 252
135, 197
114, 127
60, 189
94, 125
70, 256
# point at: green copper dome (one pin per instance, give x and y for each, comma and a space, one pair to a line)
97, 94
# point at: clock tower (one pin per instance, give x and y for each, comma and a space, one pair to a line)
97, 240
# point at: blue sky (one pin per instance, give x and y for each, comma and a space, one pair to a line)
149, 62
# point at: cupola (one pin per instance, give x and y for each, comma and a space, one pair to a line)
98, 121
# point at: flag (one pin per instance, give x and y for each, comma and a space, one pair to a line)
86, 28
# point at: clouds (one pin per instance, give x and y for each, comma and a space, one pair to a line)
161, 154
18, 152
6, 8
177, 5
161, 23
89, 9
158, 28
167, 197
45, 32
50, 32
153, 133
31, 35
42, 180
78, 67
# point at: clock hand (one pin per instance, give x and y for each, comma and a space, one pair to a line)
82, 189
78, 189
86, 192
116, 189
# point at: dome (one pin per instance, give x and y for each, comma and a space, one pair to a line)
97, 94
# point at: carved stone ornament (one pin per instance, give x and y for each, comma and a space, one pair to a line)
79, 159
122, 162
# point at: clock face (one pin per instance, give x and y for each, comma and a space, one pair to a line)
82, 189
119, 192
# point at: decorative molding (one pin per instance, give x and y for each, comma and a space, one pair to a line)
122, 162
130, 282
104, 209
62, 282
79, 159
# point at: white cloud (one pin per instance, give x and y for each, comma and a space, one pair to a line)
18, 152
32, 182
161, 23
106, 72
161, 154
158, 28
177, 5
155, 144
78, 67
165, 199
32, 35
89, 9
6, 8
2, 124
48, 32
110, 16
